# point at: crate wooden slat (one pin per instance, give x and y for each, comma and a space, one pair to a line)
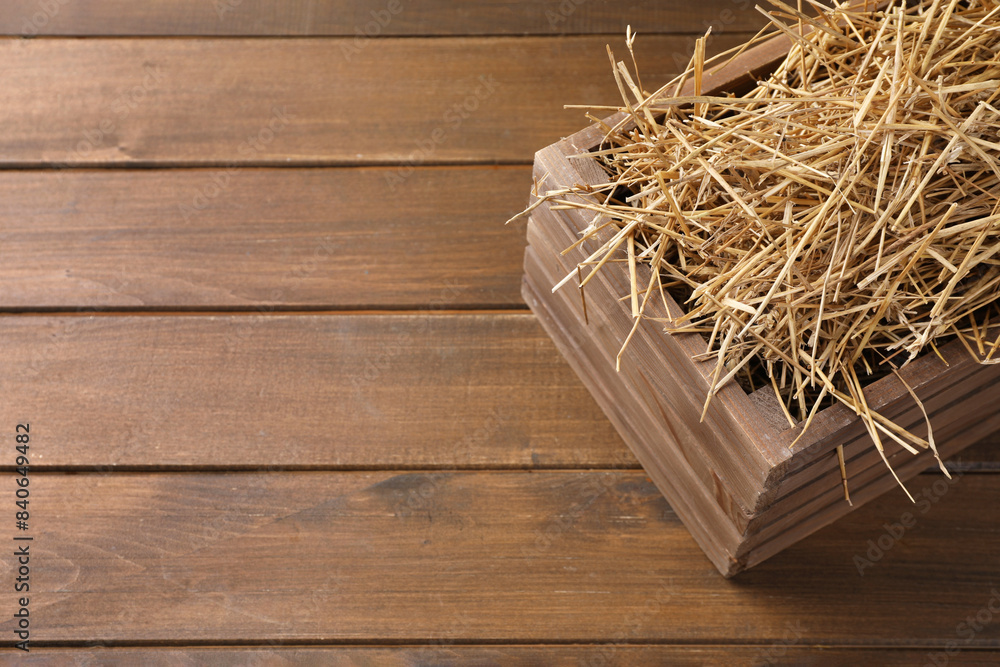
740, 487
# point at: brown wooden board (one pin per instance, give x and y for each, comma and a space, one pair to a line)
587, 557
268, 238
347, 391
221, 102
448, 654
363, 19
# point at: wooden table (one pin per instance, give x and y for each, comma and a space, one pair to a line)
286, 404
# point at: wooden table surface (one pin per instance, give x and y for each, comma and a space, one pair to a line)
287, 405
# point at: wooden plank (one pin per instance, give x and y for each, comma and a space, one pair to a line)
218, 102
422, 390
500, 557
270, 238
445, 654
364, 19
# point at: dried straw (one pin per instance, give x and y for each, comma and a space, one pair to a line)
842, 215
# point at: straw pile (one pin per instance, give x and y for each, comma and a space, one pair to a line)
841, 217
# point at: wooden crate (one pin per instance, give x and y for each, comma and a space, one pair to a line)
740, 488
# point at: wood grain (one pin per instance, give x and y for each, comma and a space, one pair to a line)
408, 102
693, 487
185, 529
453, 557
271, 238
354, 17
444, 654
422, 390
431, 390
